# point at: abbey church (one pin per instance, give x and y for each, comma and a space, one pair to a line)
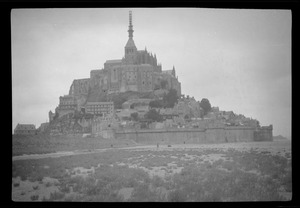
137, 71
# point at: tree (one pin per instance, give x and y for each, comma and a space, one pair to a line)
134, 116
156, 104
163, 84
205, 105
118, 101
170, 99
153, 115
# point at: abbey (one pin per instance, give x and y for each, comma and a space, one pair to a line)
137, 71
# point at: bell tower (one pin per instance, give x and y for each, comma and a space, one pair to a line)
130, 30
130, 48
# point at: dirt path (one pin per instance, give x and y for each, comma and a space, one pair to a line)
273, 147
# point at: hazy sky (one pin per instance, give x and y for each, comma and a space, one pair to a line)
239, 59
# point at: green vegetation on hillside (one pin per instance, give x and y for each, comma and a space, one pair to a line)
205, 105
153, 115
117, 98
169, 100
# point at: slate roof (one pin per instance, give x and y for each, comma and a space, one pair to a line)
130, 43
25, 127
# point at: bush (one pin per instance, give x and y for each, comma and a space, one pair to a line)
142, 193
16, 184
157, 181
177, 196
170, 99
153, 115
156, 104
34, 197
205, 105
35, 187
56, 196
134, 116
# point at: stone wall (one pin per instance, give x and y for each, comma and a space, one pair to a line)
179, 136
264, 133
239, 134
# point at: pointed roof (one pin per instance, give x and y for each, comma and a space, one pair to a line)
25, 127
130, 30
130, 43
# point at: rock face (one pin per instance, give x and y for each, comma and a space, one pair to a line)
69, 124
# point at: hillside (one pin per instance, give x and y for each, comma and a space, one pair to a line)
118, 98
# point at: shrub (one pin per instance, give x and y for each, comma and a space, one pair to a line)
35, 187
153, 115
156, 104
157, 181
34, 197
134, 116
16, 184
56, 196
177, 196
142, 193
48, 184
23, 177
287, 182
65, 188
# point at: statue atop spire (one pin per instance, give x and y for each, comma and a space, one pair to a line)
130, 30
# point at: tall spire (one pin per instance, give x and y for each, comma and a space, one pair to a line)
130, 30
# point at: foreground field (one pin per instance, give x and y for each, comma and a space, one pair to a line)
216, 172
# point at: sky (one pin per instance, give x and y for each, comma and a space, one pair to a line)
239, 59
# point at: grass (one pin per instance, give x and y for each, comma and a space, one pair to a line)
201, 181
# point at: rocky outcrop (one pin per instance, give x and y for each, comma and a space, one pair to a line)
68, 124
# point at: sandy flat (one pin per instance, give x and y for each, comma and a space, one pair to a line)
275, 147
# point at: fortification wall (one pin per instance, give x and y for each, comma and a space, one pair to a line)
238, 134
264, 133
179, 136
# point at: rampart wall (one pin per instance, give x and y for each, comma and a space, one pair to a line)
179, 136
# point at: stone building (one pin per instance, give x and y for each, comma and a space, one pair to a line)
100, 108
104, 126
51, 116
137, 71
25, 129
67, 104
43, 127
79, 87
264, 133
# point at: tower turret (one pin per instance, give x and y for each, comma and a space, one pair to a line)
130, 30
130, 48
